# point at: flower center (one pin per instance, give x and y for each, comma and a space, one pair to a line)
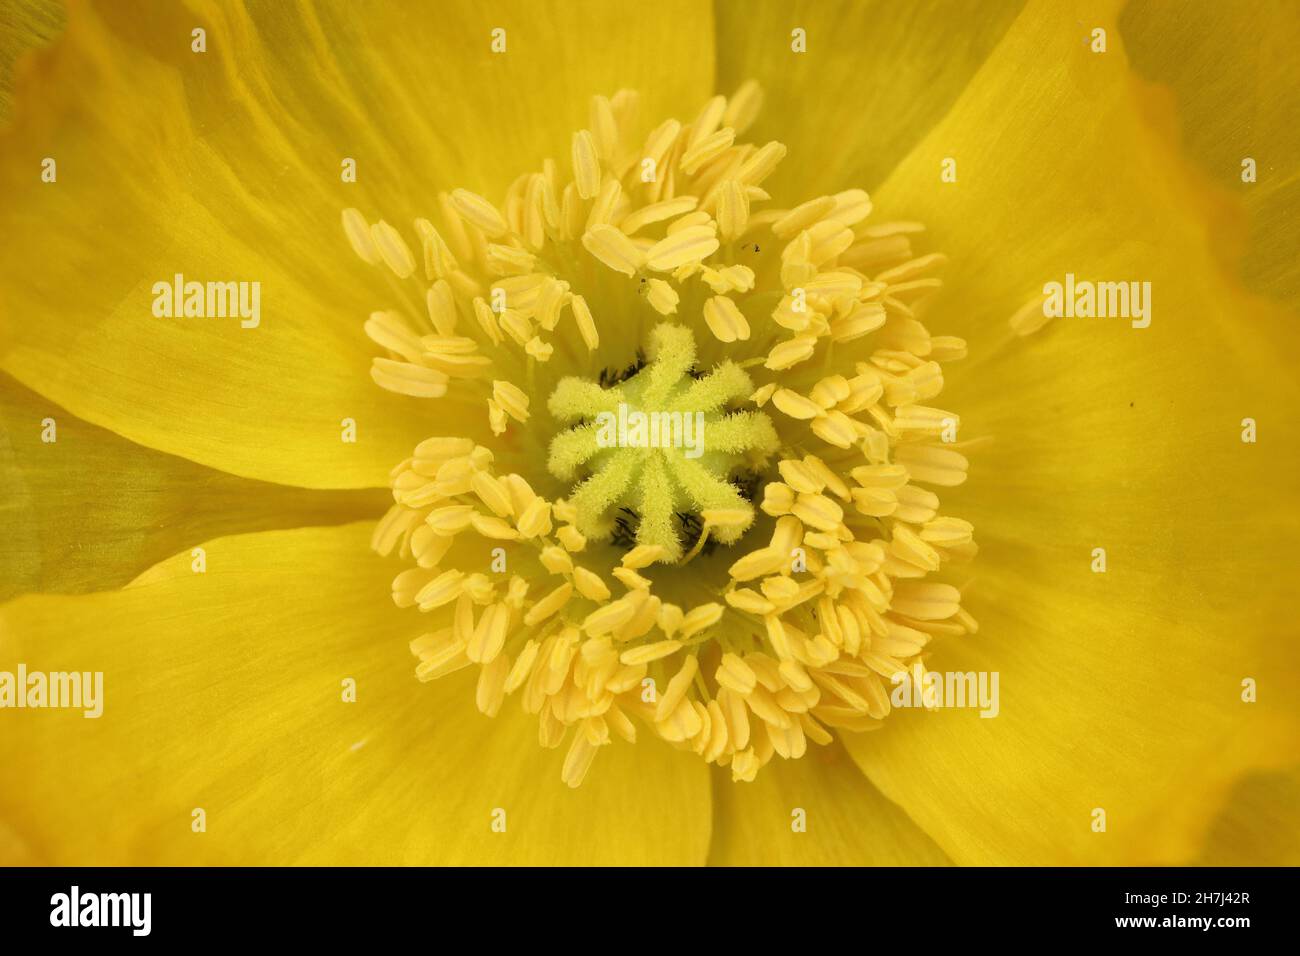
730, 540
663, 456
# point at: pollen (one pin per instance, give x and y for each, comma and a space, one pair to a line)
689, 445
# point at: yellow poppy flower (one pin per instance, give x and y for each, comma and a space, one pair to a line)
674, 363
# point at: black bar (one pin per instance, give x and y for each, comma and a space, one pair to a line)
333, 905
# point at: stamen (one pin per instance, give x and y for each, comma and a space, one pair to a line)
782, 495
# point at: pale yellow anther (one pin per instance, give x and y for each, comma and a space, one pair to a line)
795, 405
588, 583
947, 532
512, 399
552, 294
438, 259
498, 420
522, 667
477, 211
571, 538
830, 391
670, 618
780, 590
790, 353
663, 298
586, 164
613, 248
749, 601
803, 216
732, 210
658, 212
863, 319
827, 240
650, 652
706, 149
933, 465
443, 448
758, 563
516, 325
606, 202
818, 511
661, 140
516, 592
778, 498
744, 766
836, 428
489, 634
586, 324
629, 578
690, 221
913, 268
725, 320
509, 260
441, 304
706, 121
605, 619
549, 605
556, 560
538, 349
800, 477
406, 378
926, 601
699, 618
947, 348
761, 395
644, 555
535, 519
762, 164
924, 420
490, 526
486, 318
679, 248
392, 248
450, 519
645, 618
358, 234
828, 476
826, 540
443, 589
675, 692
851, 207
743, 107
604, 126
491, 492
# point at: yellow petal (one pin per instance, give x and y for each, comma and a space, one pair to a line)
1218, 60
90, 511
1122, 690
224, 692
847, 821
1259, 824
923, 55
28, 24
226, 166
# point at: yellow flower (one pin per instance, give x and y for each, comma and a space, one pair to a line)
191, 502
